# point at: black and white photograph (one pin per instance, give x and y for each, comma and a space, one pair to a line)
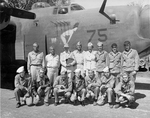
74, 58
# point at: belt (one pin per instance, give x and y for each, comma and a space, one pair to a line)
79, 63
51, 67
36, 65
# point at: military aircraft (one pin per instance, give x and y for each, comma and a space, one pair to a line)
70, 23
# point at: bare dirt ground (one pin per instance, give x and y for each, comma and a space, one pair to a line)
141, 107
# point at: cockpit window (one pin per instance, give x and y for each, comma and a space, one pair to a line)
40, 5
63, 11
75, 7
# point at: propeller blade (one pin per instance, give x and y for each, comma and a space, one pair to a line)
19, 13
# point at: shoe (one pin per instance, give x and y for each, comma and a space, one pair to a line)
56, 103
24, 102
117, 105
18, 105
46, 104
75, 103
82, 103
110, 105
94, 103
101, 103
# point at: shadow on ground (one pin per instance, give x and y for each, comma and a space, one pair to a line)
142, 86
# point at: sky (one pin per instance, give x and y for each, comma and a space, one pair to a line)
97, 3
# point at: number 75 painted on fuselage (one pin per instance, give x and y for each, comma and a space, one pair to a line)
101, 34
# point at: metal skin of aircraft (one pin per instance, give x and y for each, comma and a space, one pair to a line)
59, 25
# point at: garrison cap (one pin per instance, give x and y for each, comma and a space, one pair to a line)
66, 45
77, 70
90, 44
106, 69
42, 70
79, 43
100, 43
20, 69
124, 74
35, 44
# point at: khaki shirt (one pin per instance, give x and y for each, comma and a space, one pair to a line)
52, 61
108, 81
64, 57
126, 88
79, 57
95, 81
22, 82
130, 60
89, 60
114, 62
101, 60
35, 59
67, 83
78, 83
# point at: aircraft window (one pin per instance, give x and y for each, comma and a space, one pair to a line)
55, 11
40, 5
63, 11
75, 7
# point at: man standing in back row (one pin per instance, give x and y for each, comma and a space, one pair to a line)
52, 61
79, 57
102, 60
67, 61
130, 60
115, 62
35, 61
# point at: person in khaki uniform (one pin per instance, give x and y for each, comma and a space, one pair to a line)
22, 87
102, 60
125, 91
52, 61
115, 62
67, 61
79, 91
35, 61
106, 89
62, 87
93, 84
130, 60
42, 87
89, 59
79, 57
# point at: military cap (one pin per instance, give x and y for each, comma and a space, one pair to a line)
66, 45
77, 70
42, 70
20, 69
35, 44
100, 43
124, 74
106, 69
90, 44
79, 43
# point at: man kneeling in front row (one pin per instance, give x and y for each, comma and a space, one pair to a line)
62, 87
93, 84
41, 87
22, 87
125, 91
79, 90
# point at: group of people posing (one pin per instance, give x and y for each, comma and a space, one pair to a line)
96, 76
